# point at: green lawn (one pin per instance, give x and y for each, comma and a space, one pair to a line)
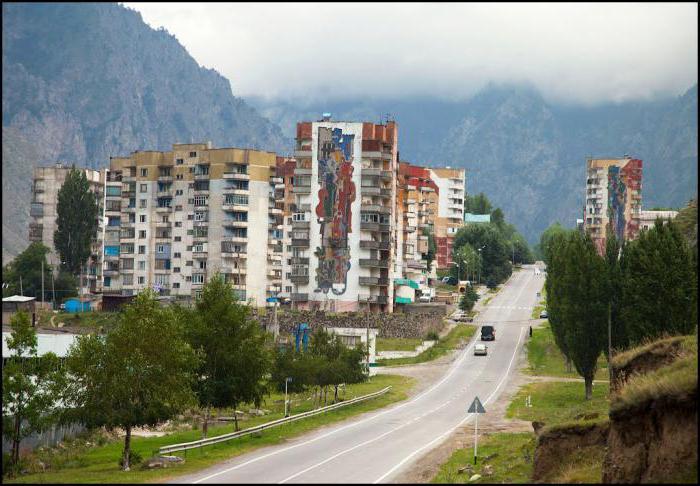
510, 456
99, 464
91, 319
457, 337
397, 344
558, 402
545, 359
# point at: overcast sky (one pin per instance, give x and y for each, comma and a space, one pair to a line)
582, 53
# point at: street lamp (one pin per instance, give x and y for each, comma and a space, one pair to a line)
286, 380
459, 269
479, 277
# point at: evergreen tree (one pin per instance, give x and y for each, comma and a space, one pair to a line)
140, 373
585, 297
659, 284
31, 385
556, 296
76, 221
547, 239
432, 248
612, 259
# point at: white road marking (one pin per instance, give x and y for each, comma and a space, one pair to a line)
445, 434
455, 366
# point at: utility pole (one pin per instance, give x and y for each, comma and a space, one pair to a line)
42, 281
21, 290
53, 292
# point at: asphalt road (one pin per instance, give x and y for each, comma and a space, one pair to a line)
377, 446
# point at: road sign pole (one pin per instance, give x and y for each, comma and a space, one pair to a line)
476, 426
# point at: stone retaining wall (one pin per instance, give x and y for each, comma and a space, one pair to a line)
396, 325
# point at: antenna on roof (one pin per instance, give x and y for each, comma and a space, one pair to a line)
388, 117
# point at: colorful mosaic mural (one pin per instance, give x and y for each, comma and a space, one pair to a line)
334, 209
617, 196
624, 194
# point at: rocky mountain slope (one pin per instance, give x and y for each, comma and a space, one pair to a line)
528, 154
86, 81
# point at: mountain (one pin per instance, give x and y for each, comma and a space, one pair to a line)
527, 154
86, 81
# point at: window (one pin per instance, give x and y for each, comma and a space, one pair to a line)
176, 285
188, 278
144, 173
176, 269
203, 232
350, 341
201, 169
201, 264
127, 248
178, 177
200, 216
142, 264
198, 278
176, 255
112, 250
142, 249
162, 279
188, 264
178, 208
142, 233
114, 191
142, 218
178, 192
237, 199
178, 224
179, 161
162, 264
143, 187
128, 279
198, 248
300, 217
288, 288
142, 280
200, 200
108, 281
160, 248
193, 154
143, 203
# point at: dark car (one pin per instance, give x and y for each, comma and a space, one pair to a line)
488, 333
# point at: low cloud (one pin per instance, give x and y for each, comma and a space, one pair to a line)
577, 53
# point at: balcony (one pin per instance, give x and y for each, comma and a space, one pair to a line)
373, 299
234, 207
371, 190
371, 171
299, 279
275, 211
201, 177
300, 224
200, 224
376, 281
302, 153
296, 189
232, 223
373, 263
385, 192
296, 297
165, 178
365, 226
299, 171
235, 190
235, 239
300, 242
159, 224
300, 260
110, 272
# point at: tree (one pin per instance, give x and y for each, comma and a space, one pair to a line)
76, 221
547, 238
495, 255
466, 303
140, 373
580, 292
521, 252
477, 204
556, 296
619, 339
31, 385
28, 266
659, 284
235, 349
498, 218
468, 260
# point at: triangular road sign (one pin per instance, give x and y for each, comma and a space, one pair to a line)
476, 406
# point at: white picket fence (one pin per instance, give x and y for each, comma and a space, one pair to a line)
234, 435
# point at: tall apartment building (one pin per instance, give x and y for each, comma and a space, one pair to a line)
175, 218
613, 199
47, 181
450, 215
343, 218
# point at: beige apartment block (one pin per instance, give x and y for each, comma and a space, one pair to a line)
647, 218
343, 227
613, 199
175, 218
43, 212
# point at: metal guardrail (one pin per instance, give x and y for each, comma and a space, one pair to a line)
234, 435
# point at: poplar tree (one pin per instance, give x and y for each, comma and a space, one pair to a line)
76, 221
555, 294
613, 256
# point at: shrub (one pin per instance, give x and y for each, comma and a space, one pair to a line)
134, 459
432, 336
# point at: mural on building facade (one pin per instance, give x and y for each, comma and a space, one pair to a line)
617, 195
624, 199
334, 209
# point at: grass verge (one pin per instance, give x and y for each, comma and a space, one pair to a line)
397, 344
545, 359
456, 338
99, 464
558, 402
508, 455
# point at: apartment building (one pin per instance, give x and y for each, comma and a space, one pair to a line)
175, 218
450, 215
647, 218
613, 199
47, 181
343, 220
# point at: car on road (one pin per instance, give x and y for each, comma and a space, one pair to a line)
543, 314
425, 298
480, 350
488, 333
449, 280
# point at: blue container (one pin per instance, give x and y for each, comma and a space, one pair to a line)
74, 305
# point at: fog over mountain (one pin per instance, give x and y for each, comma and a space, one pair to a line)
528, 154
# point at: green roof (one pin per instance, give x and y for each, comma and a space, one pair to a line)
477, 218
402, 300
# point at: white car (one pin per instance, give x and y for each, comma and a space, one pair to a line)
424, 298
480, 350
